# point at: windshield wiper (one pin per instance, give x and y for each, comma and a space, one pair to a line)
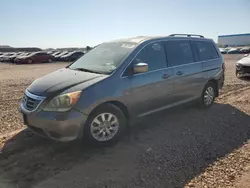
87, 70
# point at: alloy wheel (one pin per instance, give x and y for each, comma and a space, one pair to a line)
104, 127
209, 95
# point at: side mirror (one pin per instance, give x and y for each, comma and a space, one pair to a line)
140, 68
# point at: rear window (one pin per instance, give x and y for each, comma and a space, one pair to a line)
179, 52
206, 50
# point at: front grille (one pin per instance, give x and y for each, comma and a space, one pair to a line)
246, 69
31, 104
30, 101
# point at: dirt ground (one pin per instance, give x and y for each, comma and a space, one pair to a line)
181, 147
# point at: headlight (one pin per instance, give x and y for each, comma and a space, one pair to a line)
63, 103
238, 65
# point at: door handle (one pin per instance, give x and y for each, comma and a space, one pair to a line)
165, 76
179, 73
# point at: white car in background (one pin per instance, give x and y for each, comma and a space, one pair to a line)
243, 66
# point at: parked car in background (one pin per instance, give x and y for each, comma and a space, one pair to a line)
12, 57
228, 48
2, 55
51, 52
72, 56
6, 55
23, 54
234, 51
35, 57
57, 57
118, 81
223, 50
56, 53
245, 50
243, 66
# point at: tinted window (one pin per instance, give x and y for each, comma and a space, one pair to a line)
153, 55
179, 53
206, 50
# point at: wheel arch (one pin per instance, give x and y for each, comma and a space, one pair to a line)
118, 104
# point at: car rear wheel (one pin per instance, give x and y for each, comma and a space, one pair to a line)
208, 95
105, 125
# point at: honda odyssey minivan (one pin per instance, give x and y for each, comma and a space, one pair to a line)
98, 95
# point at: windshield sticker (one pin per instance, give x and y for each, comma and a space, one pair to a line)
128, 46
110, 65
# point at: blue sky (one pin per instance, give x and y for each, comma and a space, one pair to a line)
77, 23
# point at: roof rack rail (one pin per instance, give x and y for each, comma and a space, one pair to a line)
187, 35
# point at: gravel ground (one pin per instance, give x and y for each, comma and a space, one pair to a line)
181, 147
14, 80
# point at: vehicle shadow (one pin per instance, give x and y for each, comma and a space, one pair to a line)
167, 149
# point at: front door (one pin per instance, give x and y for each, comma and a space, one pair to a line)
151, 90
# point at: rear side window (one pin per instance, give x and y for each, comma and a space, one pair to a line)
153, 54
206, 50
179, 52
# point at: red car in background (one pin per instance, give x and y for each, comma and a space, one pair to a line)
35, 57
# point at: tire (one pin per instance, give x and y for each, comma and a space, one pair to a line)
50, 61
98, 131
30, 61
208, 95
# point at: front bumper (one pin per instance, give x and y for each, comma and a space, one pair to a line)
242, 69
61, 126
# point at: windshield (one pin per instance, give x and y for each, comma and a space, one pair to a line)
69, 53
105, 58
63, 53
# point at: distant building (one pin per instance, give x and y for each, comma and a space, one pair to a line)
234, 40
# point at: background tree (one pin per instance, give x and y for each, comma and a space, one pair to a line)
88, 48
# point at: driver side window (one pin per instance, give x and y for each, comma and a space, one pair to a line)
154, 55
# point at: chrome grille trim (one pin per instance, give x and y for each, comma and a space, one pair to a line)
31, 102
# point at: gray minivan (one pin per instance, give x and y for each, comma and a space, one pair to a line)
98, 95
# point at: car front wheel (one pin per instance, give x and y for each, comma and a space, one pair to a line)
105, 125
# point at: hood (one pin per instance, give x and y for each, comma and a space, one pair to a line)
61, 80
245, 61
